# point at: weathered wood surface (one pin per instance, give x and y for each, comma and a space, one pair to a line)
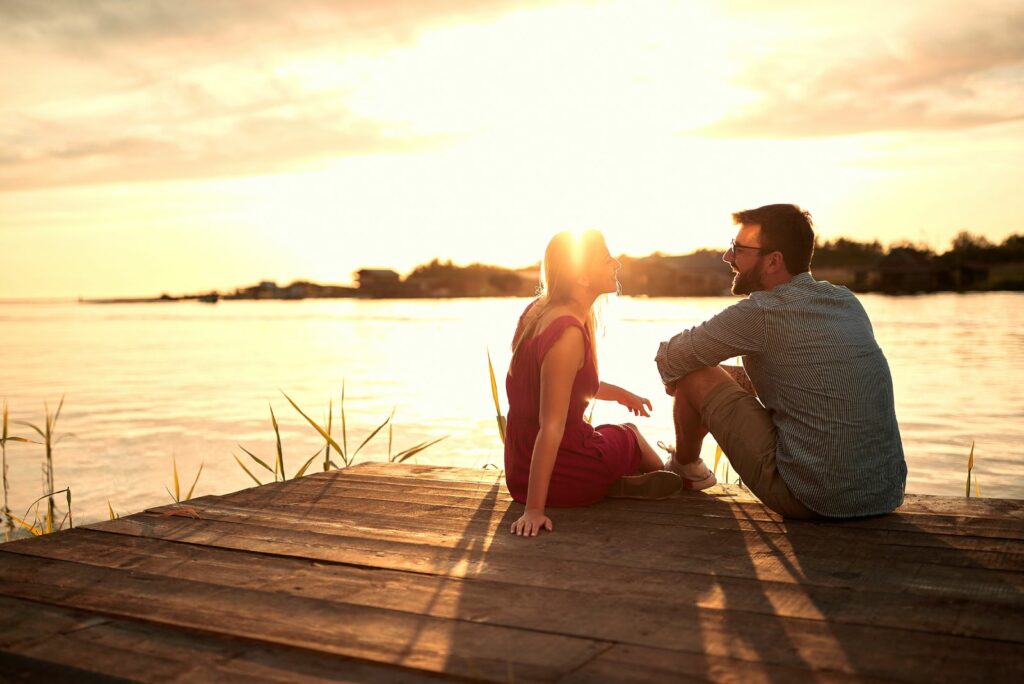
407, 573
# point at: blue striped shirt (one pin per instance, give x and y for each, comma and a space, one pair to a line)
811, 354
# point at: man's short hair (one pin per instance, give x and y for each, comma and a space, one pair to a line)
785, 228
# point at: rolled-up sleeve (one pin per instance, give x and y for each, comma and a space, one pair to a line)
737, 330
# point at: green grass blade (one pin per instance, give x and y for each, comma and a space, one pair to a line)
372, 435
323, 433
193, 487
30, 425
110, 511
256, 458
279, 464
502, 426
391, 432
302, 470
494, 384
173, 498
344, 427
177, 488
53, 423
409, 453
242, 466
970, 467
71, 520
31, 528
330, 424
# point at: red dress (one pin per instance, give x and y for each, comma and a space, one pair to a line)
589, 459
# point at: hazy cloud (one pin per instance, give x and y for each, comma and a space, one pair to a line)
105, 90
964, 76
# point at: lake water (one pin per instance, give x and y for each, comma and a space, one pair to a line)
146, 383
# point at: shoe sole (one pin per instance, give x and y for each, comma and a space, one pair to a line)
710, 481
654, 486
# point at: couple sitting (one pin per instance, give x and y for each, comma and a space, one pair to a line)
807, 422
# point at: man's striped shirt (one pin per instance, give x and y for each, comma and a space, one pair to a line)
811, 354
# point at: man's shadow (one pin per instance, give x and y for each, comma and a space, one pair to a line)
704, 584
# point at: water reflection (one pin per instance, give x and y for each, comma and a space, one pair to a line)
148, 382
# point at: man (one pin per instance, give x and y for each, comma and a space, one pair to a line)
808, 421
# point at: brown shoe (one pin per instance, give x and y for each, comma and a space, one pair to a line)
660, 484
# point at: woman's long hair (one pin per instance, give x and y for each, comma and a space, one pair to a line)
568, 256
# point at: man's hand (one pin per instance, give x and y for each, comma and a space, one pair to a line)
530, 524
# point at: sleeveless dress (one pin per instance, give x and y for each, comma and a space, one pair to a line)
589, 459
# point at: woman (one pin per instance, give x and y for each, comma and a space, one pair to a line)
552, 456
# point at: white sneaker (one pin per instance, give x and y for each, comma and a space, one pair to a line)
694, 475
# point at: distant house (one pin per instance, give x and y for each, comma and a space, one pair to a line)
378, 282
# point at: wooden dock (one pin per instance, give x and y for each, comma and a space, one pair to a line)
404, 573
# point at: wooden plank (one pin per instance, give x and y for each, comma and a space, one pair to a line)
680, 511
913, 503
466, 559
109, 649
794, 643
587, 607
632, 664
19, 668
689, 508
405, 521
373, 634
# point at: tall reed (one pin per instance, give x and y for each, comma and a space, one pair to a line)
502, 423
6, 437
50, 440
176, 494
970, 467
278, 471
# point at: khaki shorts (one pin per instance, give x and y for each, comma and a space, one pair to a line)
744, 430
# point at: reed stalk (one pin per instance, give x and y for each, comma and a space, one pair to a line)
502, 423
970, 467
176, 494
49, 436
330, 424
6, 437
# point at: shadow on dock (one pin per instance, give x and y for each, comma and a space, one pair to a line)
409, 573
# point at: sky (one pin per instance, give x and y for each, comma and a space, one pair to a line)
153, 146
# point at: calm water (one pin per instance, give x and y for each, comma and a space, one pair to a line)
149, 382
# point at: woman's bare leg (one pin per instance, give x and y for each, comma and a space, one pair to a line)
649, 458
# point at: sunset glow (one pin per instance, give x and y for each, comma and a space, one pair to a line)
185, 146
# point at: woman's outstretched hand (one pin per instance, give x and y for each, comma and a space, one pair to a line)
637, 405
530, 524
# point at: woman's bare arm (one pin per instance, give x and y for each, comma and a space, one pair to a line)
635, 403
557, 374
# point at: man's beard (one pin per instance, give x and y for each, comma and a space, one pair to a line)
749, 282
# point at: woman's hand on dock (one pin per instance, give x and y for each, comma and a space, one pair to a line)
637, 405
530, 524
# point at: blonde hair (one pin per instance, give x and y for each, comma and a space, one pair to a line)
568, 256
